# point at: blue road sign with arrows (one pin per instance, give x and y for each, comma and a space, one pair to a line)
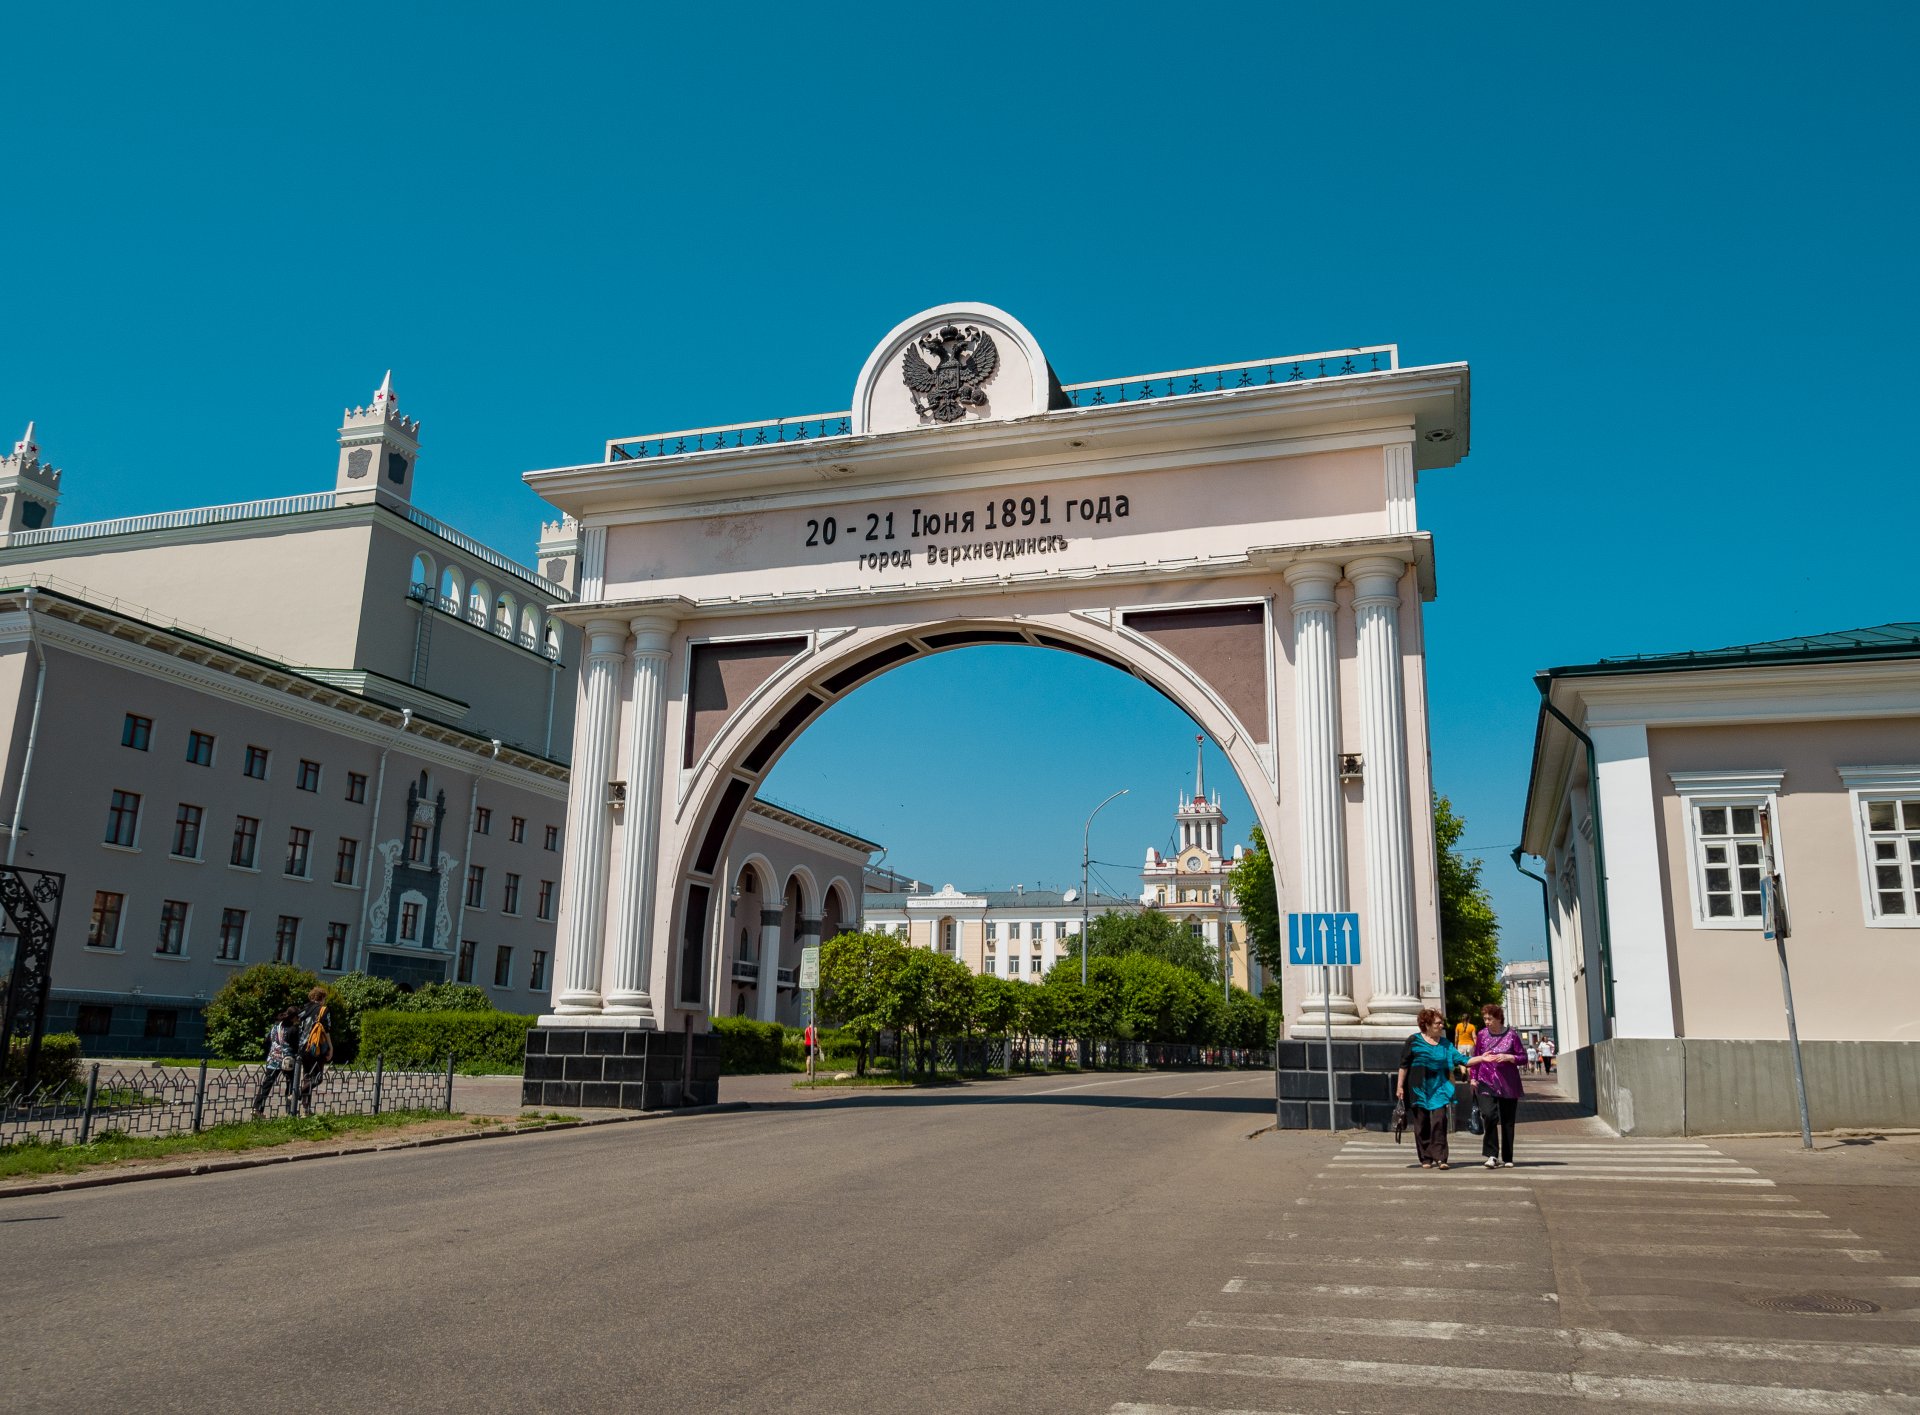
1314, 939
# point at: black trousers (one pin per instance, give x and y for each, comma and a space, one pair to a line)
1430, 1134
1496, 1113
266, 1088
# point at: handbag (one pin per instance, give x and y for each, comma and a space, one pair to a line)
1476, 1122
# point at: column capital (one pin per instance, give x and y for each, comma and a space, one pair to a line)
1312, 583
651, 632
1376, 579
606, 638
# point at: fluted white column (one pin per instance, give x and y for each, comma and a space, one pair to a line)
768, 997
631, 972
583, 923
1392, 951
1316, 697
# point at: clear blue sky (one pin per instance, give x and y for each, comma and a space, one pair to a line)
1675, 243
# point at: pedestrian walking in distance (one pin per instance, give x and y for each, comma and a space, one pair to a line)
1499, 1054
280, 1046
1547, 1050
315, 1041
1533, 1055
1427, 1063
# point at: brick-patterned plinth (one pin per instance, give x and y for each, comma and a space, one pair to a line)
620, 1068
1363, 1081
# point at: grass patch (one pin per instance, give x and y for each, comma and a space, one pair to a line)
30, 1157
823, 1082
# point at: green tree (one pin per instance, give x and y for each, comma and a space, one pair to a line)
1259, 901
856, 977
997, 1004
1469, 932
1149, 932
247, 1004
930, 995
353, 996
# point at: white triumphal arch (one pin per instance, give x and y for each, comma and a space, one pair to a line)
1242, 537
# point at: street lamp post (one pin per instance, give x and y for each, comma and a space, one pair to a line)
1086, 909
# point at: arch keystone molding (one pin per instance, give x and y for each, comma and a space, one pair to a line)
1249, 551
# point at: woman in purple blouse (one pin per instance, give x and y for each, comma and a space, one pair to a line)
1497, 1083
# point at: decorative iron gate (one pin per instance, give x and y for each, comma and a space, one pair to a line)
31, 899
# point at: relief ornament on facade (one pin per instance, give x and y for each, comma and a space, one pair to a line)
966, 359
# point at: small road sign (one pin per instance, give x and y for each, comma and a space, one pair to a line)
810, 967
1314, 940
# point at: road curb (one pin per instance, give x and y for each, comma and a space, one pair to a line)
187, 1171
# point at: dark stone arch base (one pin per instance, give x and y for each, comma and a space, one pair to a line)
1364, 1075
620, 1068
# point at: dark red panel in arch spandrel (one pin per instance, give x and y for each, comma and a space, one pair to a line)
1226, 647
723, 676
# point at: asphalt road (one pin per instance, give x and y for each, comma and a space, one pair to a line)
1072, 1244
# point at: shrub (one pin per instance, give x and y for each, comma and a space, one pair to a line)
446, 997
354, 996
243, 1009
59, 1061
748, 1047
420, 1041
838, 1048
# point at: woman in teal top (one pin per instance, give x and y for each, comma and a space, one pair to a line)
1426, 1085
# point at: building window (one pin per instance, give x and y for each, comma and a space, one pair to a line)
503, 967
993, 932
136, 732
336, 948
123, 818
309, 779
233, 934
476, 886
1893, 855
357, 788
553, 837
537, 975
286, 936
410, 921
95, 1019
347, 861
417, 842
517, 830
200, 748
256, 763
482, 820
1033, 964
463, 971
103, 925
173, 928
1013, 932
161, 1021
1060, 930
246, 841
543, 902
1723, 840
186, 831
298, 842
510, 904
947, 936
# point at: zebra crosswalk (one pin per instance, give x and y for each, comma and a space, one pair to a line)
1597, 1271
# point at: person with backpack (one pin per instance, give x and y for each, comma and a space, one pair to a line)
315, 1043
280, 1046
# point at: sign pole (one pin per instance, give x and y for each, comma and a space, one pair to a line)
1774, 926
1326, 998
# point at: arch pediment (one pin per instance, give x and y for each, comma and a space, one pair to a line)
952, 364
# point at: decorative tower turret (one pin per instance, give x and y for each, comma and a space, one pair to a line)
558, 557
29, 489
1201, 821
378, 449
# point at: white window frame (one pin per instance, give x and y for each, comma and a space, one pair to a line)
1876, 783
1727, 788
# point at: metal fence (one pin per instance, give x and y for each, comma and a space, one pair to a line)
151, 1101
1038, 1054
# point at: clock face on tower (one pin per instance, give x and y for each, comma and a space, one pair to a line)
1193, 860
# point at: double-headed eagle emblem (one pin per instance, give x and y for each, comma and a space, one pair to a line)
965, 360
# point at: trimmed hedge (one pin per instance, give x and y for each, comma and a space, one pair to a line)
748, 1047
59, 1060
420, 1041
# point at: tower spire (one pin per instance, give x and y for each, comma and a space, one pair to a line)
26, 445
1199, 767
